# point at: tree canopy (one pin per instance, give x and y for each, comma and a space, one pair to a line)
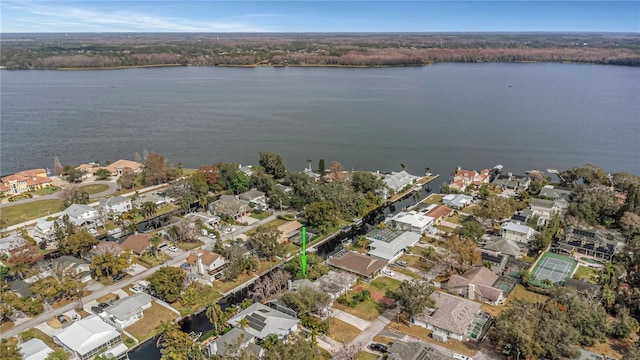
155, 169
415, 296
168, 282
272, 164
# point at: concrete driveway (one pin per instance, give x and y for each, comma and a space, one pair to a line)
350, 319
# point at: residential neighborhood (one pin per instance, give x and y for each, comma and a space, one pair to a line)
426, 275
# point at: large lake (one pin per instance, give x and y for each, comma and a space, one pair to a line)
523, 116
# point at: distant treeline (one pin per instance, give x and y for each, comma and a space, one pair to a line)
94, 51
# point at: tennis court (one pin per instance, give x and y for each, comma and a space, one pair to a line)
554, 267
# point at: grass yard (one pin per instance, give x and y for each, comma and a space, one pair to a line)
224, 286
519, 292
365, 355
94, 188
153, 316
433, 199
6, 325
206, 295
407, 272
189, 245
151, 260
106, 298
384, 283
16, 214
583, 272
414, 261
342, 332
366, 310
383, 340
38, 334
83, 314
260, 215
445, 229
188, 172
456, 219
46, 191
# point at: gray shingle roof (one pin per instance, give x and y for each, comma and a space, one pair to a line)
551, 193
34, 349
452, 313
126, 307
412, 350
76, 210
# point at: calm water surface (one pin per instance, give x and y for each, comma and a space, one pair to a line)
524, 116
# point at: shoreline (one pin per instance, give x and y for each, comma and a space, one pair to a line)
251, 66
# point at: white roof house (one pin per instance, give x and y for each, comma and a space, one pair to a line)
127, 311
457, 201
413, 221
517, 232
44, 229
80, 214
392, 249
264, 320
34, 349
115, 205
399, 180
89, 337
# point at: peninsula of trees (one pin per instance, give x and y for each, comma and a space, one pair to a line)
56, 51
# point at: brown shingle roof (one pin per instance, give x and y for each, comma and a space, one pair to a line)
121, 164
137, 243
476, 276
452, 313
440, 211
207, 257
356, 263
287, 228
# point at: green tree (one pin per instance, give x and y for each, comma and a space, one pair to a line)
78, 244
316, 267
9, 352
415, 296
59, 355
265, 241
471, 229
362, 242
630, 224
321, 214
148, 209
239, 182
295, 348
496, 208
625, 325
128, 179
74, 195
168, 283
272, 164
322, 169
109, 264
632, 352
72, 174
306, 300
216, 316
177, 345
364, 182
103, 174
594, 206
155, 169
18, 269
155, 242
261, 181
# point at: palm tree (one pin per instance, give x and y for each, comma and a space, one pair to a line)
149, 208
18, 269
362, 242
215, 316
155, 241
173, 231
243, 323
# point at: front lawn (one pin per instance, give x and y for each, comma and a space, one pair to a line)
94, 188
433, 199
224, 286
38, 334
16, 214
153, 316
46, 191
366, 310
583, 272
342, 332
151, 260
189, 245
260, 215
205, 296
384, 283
414, 262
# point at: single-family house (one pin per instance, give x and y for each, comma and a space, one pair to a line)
413, 350
206, 261
13, 241
589, 242
504, 246
390, 247
263, 321
544, 209
126, 311
34, 349
464, 178
81, 215
457, 201
153, 198
234, 342
67, 262
137, 243
495, 259
549, 192
516, 232
397, 181
362, 265
107, 247
313, 175
336, 283
255, 197
450, 317
247, 169
289, 231
230, 206
413, 221
439, 213
512, 183
117, 168
23, 181
115, 206
44, 229
89, 337
88, 170
583, 287
21, 288
211, 221
476, 283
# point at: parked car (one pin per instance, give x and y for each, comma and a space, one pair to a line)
103, 305
401, 263
118, 277
173, 248
63, 319
185, 266
461, 357
138, 288
378, 347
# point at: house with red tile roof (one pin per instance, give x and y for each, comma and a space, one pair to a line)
117, 168
23, 181
464, 178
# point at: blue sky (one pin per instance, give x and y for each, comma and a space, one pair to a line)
318, 16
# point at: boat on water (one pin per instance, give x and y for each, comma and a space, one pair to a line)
417, 187
195, 335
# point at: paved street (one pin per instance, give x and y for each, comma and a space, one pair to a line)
118, 285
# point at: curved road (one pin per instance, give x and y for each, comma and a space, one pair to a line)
112, 188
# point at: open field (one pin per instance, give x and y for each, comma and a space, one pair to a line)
153, 316
46, 191
94, 188
29, 211
583, 272
366, 310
